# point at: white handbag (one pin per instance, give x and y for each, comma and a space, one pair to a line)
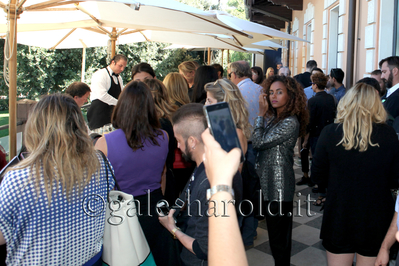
124, 242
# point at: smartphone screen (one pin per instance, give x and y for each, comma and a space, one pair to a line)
222, 127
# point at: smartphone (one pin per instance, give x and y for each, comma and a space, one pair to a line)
222, 126
162, 208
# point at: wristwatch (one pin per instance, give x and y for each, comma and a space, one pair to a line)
215, 189
174, 232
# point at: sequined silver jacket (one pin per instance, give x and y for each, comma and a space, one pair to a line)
274, 164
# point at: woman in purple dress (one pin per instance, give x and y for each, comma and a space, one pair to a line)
137, 150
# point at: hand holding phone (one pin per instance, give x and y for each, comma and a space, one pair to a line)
222, 126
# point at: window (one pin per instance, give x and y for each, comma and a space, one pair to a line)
333, 38
309, 39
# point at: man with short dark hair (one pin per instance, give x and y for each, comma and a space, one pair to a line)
337, 88
106, 85
390, 75
376, 74
189, 123
304, 78
79, 91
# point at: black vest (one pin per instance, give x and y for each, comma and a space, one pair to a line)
99, 113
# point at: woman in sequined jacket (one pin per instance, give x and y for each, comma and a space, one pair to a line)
283, 105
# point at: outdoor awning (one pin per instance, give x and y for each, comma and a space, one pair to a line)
272, 13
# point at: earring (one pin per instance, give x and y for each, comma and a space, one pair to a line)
193, 147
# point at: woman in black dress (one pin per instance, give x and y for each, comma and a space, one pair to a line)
358, 158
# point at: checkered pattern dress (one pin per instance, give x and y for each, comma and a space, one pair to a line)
69, 231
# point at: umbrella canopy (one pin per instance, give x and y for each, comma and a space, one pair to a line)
39, 15
75, 24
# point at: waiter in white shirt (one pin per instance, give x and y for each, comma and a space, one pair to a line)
106, 85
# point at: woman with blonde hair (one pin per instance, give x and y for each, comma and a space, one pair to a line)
187, 69
177, 89
358, 158
223, 90
44, 198
269, 72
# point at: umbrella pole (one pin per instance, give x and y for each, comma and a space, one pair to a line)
12, 66
209, 56
228, 56
83, 64
113, 41
222, 57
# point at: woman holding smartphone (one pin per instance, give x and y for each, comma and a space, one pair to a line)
283, 105
223, 90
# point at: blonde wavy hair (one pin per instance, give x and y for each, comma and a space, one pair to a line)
223, 90
188, 66
177, 88
61, 151
357, 111
163, 105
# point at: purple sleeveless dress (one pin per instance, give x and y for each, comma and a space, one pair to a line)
137, 171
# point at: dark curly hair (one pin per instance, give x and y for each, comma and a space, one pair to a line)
296, 104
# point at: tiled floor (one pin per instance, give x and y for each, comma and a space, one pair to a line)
306, 244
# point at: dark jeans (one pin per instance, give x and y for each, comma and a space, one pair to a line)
279, 228
249, 224
305, 157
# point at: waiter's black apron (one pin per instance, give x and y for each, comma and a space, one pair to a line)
99, 113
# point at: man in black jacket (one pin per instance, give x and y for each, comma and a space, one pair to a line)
304, 78
390, 74
322, 110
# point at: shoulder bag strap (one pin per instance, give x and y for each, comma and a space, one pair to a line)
106, 169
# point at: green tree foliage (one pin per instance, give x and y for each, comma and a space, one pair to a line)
201, 4
237, 8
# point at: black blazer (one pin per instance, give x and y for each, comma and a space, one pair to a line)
391, 105
322, 110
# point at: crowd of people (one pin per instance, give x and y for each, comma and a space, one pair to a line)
154, 134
